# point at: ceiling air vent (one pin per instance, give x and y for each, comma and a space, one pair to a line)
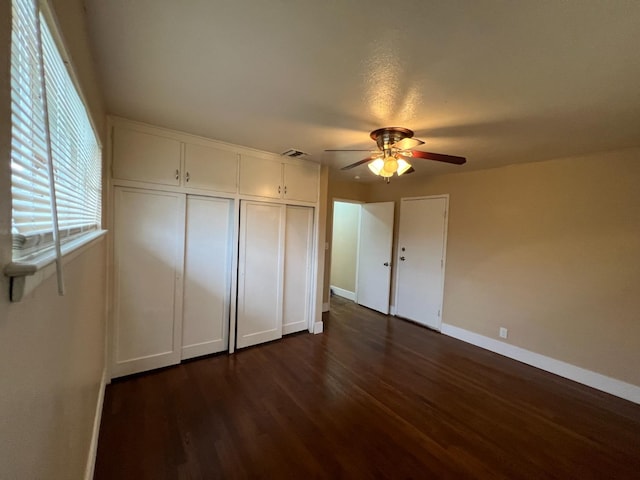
292, 152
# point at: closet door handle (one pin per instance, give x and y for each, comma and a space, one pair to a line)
279, 189
402, 258
177, 174
285, 189
187, 177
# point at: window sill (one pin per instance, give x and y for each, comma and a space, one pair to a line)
26, 276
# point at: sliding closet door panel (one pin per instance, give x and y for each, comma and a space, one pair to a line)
148, 253
207, 276
260, 266
297, 269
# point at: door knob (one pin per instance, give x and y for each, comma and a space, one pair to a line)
402, 258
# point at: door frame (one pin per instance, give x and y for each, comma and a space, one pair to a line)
445, 196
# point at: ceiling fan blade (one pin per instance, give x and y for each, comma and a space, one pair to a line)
349, 167
411, 170
438, 157
407, 143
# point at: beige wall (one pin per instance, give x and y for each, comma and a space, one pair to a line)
550, 250
344, 247
338, 190
51, 347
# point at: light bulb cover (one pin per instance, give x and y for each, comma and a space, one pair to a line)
376, 166
403, 166
390, 165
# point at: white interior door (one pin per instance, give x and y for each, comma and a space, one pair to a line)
207, 274
297, 269
260, 272
148, 266
374, 256
421, 254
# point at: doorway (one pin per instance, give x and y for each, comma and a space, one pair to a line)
344, 249
361, 253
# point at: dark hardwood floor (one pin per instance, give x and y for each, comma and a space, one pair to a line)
372, 397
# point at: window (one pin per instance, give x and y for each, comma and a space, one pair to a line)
49, 118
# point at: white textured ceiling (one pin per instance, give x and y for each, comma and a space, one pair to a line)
499, 82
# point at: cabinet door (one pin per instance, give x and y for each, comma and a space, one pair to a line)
210, 168
301, 182
148, 264
297, 269
260, 266
260, 177
145, 157
207, 274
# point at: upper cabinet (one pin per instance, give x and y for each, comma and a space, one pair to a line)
271, 179
156, 156
210, 168
145, 157
260, 177
301, 182
141, 155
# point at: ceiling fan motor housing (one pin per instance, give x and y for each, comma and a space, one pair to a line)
386, 137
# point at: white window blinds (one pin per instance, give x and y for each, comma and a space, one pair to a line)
76, 155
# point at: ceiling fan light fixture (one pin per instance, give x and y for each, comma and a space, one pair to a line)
395, 149
403, 166
388, 166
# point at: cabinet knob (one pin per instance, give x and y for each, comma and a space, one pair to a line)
285, 189
279, 189
187, 177
177, 174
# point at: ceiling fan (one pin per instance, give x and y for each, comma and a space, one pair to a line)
395, 148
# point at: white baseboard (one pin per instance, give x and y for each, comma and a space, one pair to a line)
318, 327
325, 307
93, 447
595, 380
341, 292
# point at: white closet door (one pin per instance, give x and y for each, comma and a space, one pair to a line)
260, 269
297, 269
205, 322
148, 265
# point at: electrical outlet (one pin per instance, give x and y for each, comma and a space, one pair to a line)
503, 332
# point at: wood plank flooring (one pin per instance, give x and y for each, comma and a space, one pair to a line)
372, 397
